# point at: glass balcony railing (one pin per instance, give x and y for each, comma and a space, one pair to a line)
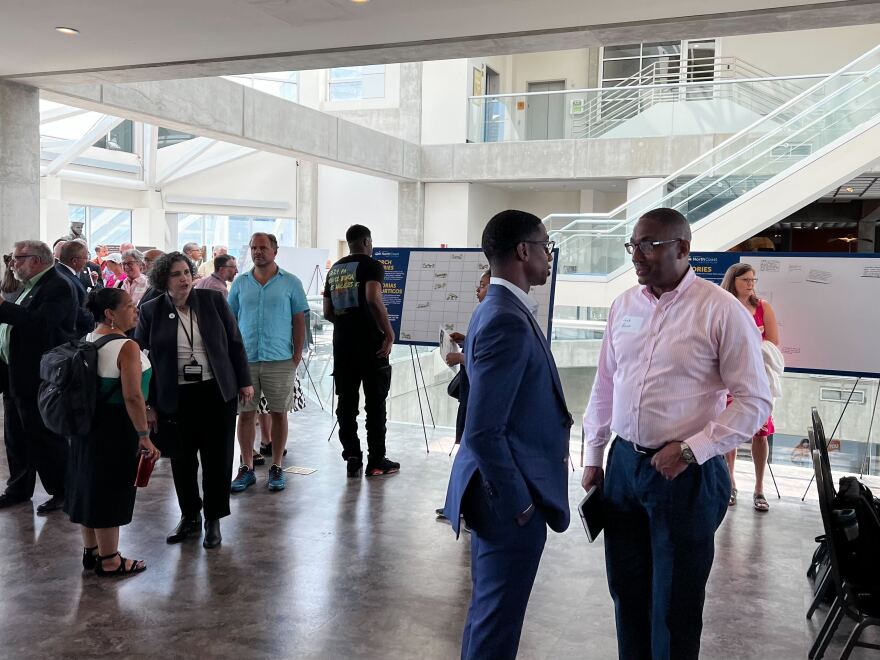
640, 110
781, 141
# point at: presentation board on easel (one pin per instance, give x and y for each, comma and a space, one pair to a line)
827, 306
308, 264
427, 289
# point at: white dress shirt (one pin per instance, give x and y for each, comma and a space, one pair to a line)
666, 365
530, 303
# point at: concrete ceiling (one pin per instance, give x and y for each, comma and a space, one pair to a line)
132, 40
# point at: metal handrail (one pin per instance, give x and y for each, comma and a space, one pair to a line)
727, 81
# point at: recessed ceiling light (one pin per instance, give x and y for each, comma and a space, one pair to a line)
849, 189
69, 31
360, 2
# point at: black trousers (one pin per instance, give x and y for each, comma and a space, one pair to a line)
205, 431
350, 371
31, 449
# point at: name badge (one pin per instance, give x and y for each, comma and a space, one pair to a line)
631, 323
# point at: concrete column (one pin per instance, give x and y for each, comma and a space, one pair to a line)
19, 164
411, 214
306, 204
635, 187
411, 102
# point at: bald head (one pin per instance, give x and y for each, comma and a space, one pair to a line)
150, 256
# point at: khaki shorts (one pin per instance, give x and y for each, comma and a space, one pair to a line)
275, 380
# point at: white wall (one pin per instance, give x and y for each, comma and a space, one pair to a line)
483, 203
544, 202
444, 101
346, 198
568, 65
802, 51
446, 214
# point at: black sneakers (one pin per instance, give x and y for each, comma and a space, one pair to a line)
353, 466
385, 466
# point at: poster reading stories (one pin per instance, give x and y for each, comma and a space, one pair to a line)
427, 289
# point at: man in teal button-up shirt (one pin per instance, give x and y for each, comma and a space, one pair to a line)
267, 301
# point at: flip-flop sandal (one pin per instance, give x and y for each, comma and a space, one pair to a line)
761, 503
732, 500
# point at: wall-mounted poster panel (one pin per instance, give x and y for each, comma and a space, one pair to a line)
428, 289
828, 307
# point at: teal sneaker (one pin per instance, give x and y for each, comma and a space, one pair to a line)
244, 479
276, 478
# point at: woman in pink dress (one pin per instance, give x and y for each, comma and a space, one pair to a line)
740, 280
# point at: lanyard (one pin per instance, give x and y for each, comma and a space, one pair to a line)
190, 334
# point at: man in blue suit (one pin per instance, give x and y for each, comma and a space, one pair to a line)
510, 476
72, 258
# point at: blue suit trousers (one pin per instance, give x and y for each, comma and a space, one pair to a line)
504, 562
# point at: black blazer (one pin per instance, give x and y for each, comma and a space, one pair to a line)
85, 322
157, 333
43, 320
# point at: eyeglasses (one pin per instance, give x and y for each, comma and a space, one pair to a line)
19, 257
129, 263
647, 247
548, 245
748, 280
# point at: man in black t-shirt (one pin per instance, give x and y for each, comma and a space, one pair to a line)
362, 341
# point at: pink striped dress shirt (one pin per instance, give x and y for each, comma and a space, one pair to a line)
666, 365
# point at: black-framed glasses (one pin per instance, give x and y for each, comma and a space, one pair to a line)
647, 247
548, 245
19, 257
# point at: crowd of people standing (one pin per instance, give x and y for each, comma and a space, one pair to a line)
186, 351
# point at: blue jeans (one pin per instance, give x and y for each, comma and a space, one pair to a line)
659, 547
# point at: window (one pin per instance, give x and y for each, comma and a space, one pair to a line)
120, 138
168, 137
658, 63
351, 83
233, 231
103, 226
841, 396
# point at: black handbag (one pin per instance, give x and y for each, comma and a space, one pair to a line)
454, 387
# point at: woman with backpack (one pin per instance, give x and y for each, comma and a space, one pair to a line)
103, 463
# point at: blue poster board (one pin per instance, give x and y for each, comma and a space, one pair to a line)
827, 306
427, 289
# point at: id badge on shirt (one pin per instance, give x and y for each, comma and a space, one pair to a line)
631, 323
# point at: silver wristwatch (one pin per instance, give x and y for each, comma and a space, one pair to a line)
687, 454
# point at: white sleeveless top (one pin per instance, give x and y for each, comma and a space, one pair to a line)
108, 356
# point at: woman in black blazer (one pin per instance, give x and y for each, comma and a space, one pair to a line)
199, 371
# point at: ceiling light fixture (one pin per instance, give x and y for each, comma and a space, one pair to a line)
69, 31
360, 2
849, 189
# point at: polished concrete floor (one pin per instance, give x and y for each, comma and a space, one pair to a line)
359, 568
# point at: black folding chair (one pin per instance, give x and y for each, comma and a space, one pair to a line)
857, 604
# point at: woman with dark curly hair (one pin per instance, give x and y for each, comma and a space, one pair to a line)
200, 370
102, 467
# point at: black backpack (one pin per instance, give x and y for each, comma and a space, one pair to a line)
858, 558
69, 390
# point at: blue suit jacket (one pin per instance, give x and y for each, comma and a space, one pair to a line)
517, 429
85, 322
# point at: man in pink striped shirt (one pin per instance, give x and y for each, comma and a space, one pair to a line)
673, 347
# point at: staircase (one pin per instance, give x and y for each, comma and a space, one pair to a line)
810, 144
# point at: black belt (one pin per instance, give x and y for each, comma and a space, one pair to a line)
647, 451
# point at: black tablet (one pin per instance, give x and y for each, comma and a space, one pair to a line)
590, 510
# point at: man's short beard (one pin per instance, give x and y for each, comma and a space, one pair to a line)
18, 276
